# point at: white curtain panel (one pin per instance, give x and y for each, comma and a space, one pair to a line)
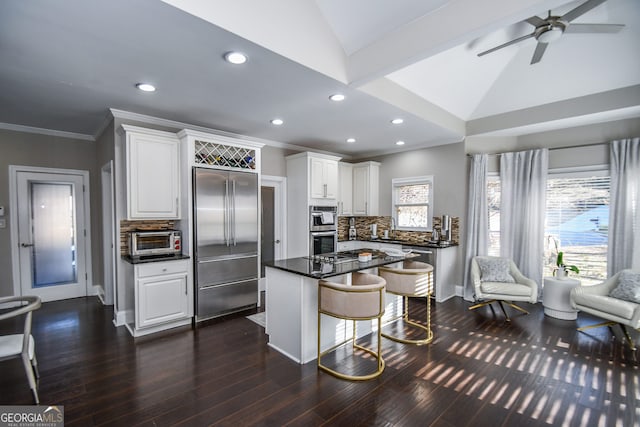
523, 177
477, 219
624, 208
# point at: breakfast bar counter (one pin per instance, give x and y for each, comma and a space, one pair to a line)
292, 303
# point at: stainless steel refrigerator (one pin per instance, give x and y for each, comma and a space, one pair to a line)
226, 241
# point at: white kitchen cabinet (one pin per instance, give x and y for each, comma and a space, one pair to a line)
345, 188
323, 178
152, 173
312, 180
366, 188
163, 296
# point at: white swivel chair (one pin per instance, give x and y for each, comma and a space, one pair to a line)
596, 300
499, 280
21, 345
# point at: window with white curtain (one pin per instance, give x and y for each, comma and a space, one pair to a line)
577, 222
413, 203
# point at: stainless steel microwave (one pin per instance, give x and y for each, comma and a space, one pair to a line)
146, 243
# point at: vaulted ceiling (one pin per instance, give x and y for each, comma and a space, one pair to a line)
65, 63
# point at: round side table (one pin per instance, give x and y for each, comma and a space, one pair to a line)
555, 298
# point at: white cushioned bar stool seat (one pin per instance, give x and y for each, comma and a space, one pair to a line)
596, 300
363, 299
21, 345
414, 279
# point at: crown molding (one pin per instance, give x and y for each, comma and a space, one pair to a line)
127, 115
49, 132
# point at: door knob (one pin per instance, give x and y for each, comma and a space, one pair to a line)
26, 245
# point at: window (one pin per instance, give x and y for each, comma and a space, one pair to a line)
413, 203
577, 222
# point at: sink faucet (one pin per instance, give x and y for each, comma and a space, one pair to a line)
393, 227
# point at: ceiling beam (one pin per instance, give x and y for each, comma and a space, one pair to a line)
598, 107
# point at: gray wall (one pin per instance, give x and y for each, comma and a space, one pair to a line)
25, 149
448, 165
273, 160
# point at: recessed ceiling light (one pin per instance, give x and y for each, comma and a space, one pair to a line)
351, 140
400, 143
337, 97
397, 121
146, 87
235, 57
277, 122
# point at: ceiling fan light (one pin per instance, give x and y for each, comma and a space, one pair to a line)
550, 35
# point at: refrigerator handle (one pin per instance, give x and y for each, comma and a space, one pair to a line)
226, 212
234, 211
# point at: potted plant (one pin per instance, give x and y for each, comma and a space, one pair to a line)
563, 269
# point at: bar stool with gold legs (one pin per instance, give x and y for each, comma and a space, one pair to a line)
362, 300
415, 279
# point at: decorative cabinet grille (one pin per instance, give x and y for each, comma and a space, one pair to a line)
229, 156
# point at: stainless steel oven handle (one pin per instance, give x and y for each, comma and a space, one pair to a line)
323, 233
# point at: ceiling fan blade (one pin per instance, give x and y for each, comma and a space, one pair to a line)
594, 28
537, 55
536, 21
581, 10
514, 41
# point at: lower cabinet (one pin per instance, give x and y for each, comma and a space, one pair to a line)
163, 296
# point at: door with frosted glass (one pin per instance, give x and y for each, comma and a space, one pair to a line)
51, 235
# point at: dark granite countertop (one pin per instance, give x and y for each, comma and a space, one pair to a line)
153, 258
439, 245
322, 270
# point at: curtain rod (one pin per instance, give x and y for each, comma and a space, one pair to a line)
550, 149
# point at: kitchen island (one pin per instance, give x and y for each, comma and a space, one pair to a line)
292, 303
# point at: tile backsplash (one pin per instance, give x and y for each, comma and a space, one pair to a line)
363, 229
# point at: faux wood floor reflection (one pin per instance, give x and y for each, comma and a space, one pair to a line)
478, 371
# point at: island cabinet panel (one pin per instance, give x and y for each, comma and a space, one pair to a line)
152, 174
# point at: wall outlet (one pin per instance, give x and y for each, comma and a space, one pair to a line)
3, 223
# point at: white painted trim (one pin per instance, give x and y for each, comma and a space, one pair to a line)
119, 318
13, 220
43, 131
106, 173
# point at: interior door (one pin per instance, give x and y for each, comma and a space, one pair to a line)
51, 235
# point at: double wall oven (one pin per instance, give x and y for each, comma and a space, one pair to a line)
323, 229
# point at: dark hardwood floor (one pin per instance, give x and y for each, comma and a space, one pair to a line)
478, 371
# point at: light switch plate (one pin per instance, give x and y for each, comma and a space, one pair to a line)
3, 223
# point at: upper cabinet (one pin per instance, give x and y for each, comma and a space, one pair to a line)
152, 173
345, 187
324, 178
366, 188
315, 176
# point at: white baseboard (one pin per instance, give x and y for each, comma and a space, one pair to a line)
460, 291
119, 318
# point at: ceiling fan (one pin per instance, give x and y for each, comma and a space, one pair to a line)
551, 29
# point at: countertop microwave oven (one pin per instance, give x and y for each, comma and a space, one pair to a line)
150, 243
